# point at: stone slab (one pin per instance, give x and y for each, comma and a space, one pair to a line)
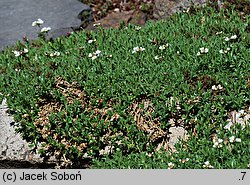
12, 146
16, 17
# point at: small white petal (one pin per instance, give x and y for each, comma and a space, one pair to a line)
156, 57
162, 47
39, 21
219, 87
17, 53
207, 163
94, 57
34, 23
233, 37
25, 50
45, 29
238, 140
214, 87
220, 140
231, 139
97, 52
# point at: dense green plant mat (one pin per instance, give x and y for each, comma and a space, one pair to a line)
109, 96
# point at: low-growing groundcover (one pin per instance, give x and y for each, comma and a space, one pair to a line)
109, 97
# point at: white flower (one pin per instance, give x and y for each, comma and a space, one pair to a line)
45, 29
137, 28
170, 165
221, 51
204, 50
228, 49
142, 49
233, 37
215, 144
220, 140
162, 47
156, 57
91, 41
38, 22
198, 54
214, 87
227, 39
90, 55
17, 53
238, 140
137, 49
97, 52
231, 139
56, 53
96, 24
94, 57
217, 33
207, 165
219, 87
25, 50
183, 160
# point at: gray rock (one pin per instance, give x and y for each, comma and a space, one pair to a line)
12, 146
16, 17
165, 8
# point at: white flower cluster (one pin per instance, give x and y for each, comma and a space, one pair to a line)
45, 29
224, 51
218, 33
241, 117
53, 54
233, 37
217, 143
94, 55
232, 139
202, 51
137, 28
157, 57
137, 49
19, 53
38, 22
91, 41
207, 165
183, 160
163, 47
107, 150
170, 165
217, 87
